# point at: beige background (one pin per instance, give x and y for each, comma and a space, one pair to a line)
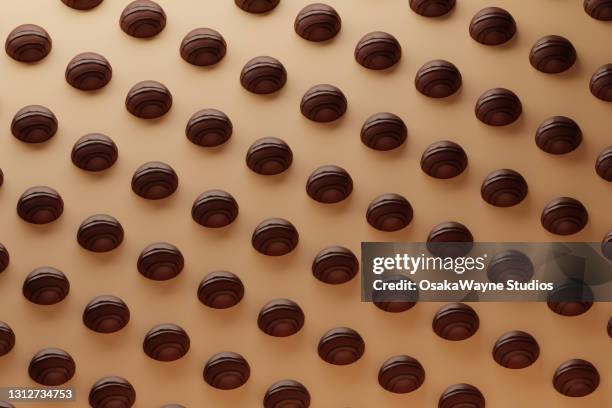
260, 197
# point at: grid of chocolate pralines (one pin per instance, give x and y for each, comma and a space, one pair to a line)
328, 184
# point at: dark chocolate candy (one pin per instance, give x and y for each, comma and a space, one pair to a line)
504, 188
444, 159
606, 248
576, 378
341, 346
34, 124
287, 394
601, 83
166, 342
106, 314
148, 100
570, 298
112, 392
40, 205
455, 322
498, 107
384, 131
281, 318
599, 9
269, 156
1, 177
432, 8
160, 261
275, 237
45, 286
401, 374
323, 103
335, 265
88, 71
257, 6
203, 47
450, 239
395, 306
154, 181
82, 4
516, 349
94, 152
263, 75
214, 209
438, 79
492, 26
329, 184
226, 371
7, 338
564, 216
221, 290
603, 165
378, 50
51, 367
143, 19
389, 212
558, 135
209, 128
28, 43
461, 396
510, 265
100, 233
393, 301
552, 54
317, 22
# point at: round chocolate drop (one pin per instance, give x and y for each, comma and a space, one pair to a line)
599, 9
461, 396
432, 8
492, 26
203, 47
209, 128
281, 318
160, 261
455, 322
438, 79
516, 349
88, 71
564, 216
558, 135
317, 22
106, 314
82, 4
504, 188
341, 346
498, 107
40, 205
51, 367
100, 233
576, 378
335, 265
226, 371
287, 394
378, 50
94, 152
384, 131
275, 237
323, 103
552, 54
257, 6
570, 298
444, 159
450, 239
401, 374
329, 184
510, 265
166, 342
221, 290
34, 124
28, 43
46, 286
7, 339
603, 164
148, 100
143, 19
389, 212
112, 392
214, 209
263, 75
154, 181
269, 156
601, 83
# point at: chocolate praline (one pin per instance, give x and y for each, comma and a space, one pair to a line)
209, 128
214, 209
100, 233
154, 181
34, 124
88, 71
378, 50
226, 371
599, 9
203, 47
504, 188
450, 239
221, 290
516, 350
384, 131
40, 205
106, 314
329, 184
5, 258
391, 301
401, 374
552, 54
558, 135
498, 107
432, 8
564, 216
269, 156
510, 265
317, 22
148, 100
7, 339
143, 19
263, 75
444, 159
94, 152
335, 265
601, 83
287, 394
323, 103
281, 318
570, 298
461, 396
51, 367
576, 378
389, 212
45, 286
492, 26
112, 392
257, 6
438, 79
166, 342
603, 164
28, 43
275, 237
341, 346
455, 322
82, 4
160, 261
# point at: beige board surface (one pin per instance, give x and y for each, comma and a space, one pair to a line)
259, 197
